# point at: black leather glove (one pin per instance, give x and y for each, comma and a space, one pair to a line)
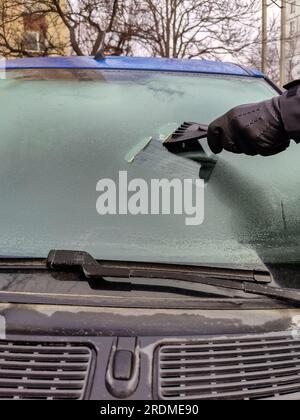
255, 129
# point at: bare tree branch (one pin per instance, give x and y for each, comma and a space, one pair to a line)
215, 29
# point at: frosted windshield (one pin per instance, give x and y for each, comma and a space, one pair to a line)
60, 135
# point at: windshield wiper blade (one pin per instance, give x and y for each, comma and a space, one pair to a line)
94, 269
247, 281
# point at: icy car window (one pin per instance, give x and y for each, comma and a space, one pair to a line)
62, 131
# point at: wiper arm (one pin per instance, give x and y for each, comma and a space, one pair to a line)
93, 269
251, 282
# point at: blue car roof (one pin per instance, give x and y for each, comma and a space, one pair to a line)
133, 63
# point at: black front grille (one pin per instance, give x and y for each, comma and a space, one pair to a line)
44, 371
218, 369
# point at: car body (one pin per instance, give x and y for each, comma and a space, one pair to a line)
66, 331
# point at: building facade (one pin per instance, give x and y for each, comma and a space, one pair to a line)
293, 39
29, 31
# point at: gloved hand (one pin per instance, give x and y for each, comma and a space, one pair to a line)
255, 129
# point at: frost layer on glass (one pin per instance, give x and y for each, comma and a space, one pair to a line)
60, 137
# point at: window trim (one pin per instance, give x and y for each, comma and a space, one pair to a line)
38, 40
